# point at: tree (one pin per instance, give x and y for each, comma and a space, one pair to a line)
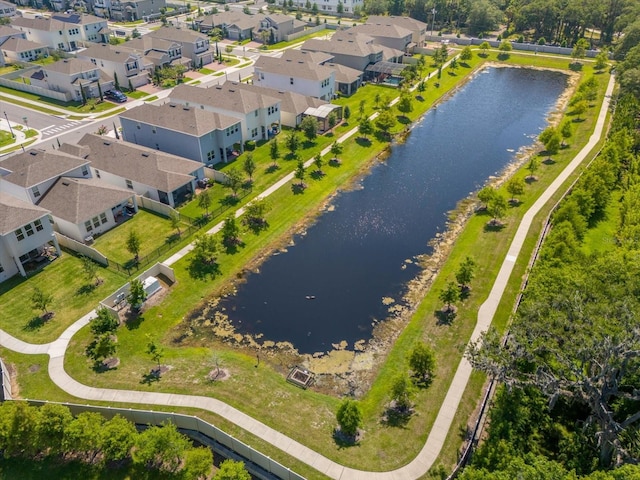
466, 54
602, 60
174, 219
401, 393
340, 8
314, 8
204, 249
41, 301
453, 65
579, 108
349, 417
361, 108
486, 194
249, 166
405, 105
137, 295
332, 120
254, 214
160, 448
18, 426
376, 100
346, 113
449, 295
505, 48
309, 127
551, 140
198, 463
204, 201
103, 322
465, 272
274, 152
102, 347
154, 350
318, 162
133, 244
497, 207
300, 174
580, 49
232, 470
532, 166
422, 362
118, 437
228, 49
365, 128
233, 181
230, 232
90, 270
484, 48
52, 420
515, 187
336, 149
566, 130
293, 142
82, 437
483, 16
385, 122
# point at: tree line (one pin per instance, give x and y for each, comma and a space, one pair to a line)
569, 404
51, 432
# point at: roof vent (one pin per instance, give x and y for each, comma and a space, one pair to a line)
231, 90
33, 152
186, 109
107, 143
145, 154
66, 184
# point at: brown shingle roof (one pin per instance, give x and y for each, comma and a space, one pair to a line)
290, 102
299, 69
36, 166
70, 66
177, 34
15, 213
225, 97
80, 199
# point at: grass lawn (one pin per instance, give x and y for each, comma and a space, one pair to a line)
262, 392
74, 107
137, 94
73, 296
6, 138
154, 231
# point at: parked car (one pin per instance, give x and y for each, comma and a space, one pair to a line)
115, 95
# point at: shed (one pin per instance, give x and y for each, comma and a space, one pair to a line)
151, 285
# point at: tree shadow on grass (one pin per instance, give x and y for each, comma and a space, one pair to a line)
446, 316
345, 441
272, 168
230, 200
36, 323
403, 119
152, 377
174, 237
86, 289
133, 319
363, 142
317, 174
549, 161
203, 271
395, 417
493, 226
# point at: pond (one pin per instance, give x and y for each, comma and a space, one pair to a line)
338, 279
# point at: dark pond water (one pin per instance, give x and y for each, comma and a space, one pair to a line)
355, 255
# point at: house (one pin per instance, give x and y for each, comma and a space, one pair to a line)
353, 50
85, 207
163, 177
348, 80
387, 34
297, 72
133, 10
79, 78
259, 114
26, 233
235, 25
348, 6
7, 9
29, 175
294, 106
17, 49
67, 32
157, 52
417, 28
125, 66
280, 26
195, 46
187, 131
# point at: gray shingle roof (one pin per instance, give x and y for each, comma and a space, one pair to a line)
43, 24
299, 69
290, 102
240, 19
70, 66
345, 74
189, 120
36, 166
80, 199
21, 45
177, 34
78, 18
387, 30
306, 56
225, 97
160, 170
15, 213
7, 31
404, 22
111, 53
344, 43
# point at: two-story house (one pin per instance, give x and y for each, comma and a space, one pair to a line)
79, 78
67, 32
16, 48
348, 6
417, 28
166, 178
279, 26
234, 24
25, 234
124, 65
7, 9
92, 28
133, 10
188, 131
259, 114
195, 46
300, 72
388, 34
157, 52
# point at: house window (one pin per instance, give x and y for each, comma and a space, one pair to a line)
38, 225
61, 46
35, 191
87, 226
29, 229
96, 222
129, 184
256, 113
24, 258
103, 218
211, 155
19, 234
254, 132
85, 170
153, 129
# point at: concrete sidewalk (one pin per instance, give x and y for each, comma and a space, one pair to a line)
430, 451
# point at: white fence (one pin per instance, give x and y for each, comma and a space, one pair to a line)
81, 248
5, 379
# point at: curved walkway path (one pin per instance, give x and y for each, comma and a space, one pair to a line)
431, 449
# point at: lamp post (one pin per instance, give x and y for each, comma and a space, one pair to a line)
24, 119
8, 123
433, 19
